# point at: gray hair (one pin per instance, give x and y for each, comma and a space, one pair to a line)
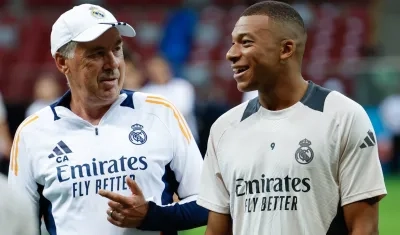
68, 50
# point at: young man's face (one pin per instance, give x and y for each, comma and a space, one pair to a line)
255, 52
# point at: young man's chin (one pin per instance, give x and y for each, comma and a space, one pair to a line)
245, 87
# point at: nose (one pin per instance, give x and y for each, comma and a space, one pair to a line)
233, 53
111, 61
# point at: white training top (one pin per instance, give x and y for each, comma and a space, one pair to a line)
61, 161
16, 212
291, 171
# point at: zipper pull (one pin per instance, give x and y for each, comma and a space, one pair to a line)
96, 131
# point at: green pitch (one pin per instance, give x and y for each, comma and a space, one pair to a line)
389, 221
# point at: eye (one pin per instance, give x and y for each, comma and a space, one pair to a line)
246, 42
96, 54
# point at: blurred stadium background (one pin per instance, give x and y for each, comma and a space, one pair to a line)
353, 47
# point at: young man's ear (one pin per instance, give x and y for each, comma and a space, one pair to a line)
61, 63
288, 47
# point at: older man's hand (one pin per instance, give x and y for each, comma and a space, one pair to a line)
126, 212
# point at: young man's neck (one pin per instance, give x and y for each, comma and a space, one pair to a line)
89, 111
287, 92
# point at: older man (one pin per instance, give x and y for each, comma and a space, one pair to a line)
133, 148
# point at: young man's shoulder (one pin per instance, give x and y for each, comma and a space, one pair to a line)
339, 108
231, 118
340, 104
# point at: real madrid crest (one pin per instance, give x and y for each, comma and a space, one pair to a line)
97, 13
304, 153
137, 135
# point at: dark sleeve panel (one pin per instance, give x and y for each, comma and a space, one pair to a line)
252, 107
170, 219
315, 97
46, 211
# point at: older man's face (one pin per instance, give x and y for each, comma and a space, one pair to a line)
97, 71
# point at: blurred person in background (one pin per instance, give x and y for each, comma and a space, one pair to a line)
132, 148
296, 151
134, 78
179, 91
5, 139
46, 91
390, 112
17, 216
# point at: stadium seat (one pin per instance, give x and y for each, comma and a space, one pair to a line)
19, 86
212, 14
335, 36
48, 3
4, 57
32, 28
134, 3
226, 2
358, 21
3, 3
198, 73
207, 35
6, 17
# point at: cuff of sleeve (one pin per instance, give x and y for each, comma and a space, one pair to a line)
150, 216
363, 196
212, 207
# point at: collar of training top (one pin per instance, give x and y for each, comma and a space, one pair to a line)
65, 102
314, 98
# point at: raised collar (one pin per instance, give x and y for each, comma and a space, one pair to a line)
65, 102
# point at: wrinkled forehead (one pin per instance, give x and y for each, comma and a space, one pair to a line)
252, 25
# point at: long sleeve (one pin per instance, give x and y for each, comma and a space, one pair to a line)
175, 217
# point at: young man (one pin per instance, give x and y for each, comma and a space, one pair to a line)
300, 159
132, 148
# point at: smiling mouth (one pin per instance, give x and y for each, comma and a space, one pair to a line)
108, 79
240, 70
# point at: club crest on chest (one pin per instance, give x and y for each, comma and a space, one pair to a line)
304, 154
137, 136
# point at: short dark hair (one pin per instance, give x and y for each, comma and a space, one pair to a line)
277, 11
